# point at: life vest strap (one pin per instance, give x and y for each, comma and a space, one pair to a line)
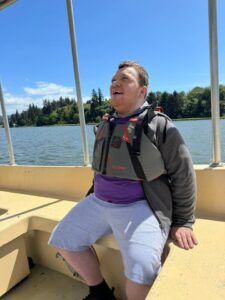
136, 163
142, 123
111, 130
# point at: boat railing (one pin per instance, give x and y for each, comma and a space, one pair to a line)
77, 81
7, 131
214, 78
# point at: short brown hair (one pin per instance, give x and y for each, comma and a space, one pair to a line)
142, 73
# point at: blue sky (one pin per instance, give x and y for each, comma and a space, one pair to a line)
170, 38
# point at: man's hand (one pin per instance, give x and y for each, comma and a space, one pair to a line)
183, 237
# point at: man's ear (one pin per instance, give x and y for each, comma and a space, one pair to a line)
144, 90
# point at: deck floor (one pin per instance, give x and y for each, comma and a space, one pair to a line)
46, 284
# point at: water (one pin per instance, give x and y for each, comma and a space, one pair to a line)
61, 145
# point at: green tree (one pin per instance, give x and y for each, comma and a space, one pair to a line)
54, 118
151, 97
222, 99
164, 102
100, 97
46, 110
94, 104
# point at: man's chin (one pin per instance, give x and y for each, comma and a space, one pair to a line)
118, 109
115, 103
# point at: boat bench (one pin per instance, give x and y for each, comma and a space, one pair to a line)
21, 214
24, 212
186, 273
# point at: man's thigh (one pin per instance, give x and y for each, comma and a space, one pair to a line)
141, 241
81, 227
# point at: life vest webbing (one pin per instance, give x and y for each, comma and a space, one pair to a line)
142, 123
111, 130
136, 163
136, 143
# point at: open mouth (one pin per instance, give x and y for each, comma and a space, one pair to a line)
117, 93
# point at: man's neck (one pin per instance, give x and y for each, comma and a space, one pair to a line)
131, 112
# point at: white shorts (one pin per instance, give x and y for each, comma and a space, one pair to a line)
135, 227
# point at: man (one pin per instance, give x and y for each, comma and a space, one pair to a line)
144, 188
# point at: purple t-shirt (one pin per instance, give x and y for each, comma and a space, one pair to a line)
118, 190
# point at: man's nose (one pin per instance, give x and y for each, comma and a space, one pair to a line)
115, 83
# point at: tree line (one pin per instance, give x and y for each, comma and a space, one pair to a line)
193, 104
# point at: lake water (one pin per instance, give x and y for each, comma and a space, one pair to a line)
61, 145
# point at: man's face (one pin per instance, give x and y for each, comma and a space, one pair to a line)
126, 93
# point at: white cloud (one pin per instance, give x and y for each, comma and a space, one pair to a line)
36, 95
46, 88
19, 102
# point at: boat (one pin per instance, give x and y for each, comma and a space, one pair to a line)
34, 198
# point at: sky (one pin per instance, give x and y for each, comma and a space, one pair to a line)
169, 38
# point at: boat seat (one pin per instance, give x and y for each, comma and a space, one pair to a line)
185, 274
198, 273
24, 212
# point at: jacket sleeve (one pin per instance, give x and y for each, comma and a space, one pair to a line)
179, 166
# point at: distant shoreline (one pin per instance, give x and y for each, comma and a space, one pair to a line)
196, 119
180, 119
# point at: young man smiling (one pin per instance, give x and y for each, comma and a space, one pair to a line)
139, 195
126, 91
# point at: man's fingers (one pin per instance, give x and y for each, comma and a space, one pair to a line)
195, 241
184, 238
179, 240
190, 242
186, 242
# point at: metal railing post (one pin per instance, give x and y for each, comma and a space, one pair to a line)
215, 105
5, 3
7, 131
77, 81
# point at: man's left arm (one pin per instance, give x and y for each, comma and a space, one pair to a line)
180, 169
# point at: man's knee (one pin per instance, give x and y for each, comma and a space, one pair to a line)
143, 269
136, 291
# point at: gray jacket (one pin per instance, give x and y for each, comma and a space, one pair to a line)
172, 197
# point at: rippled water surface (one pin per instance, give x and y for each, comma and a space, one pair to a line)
61, 145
